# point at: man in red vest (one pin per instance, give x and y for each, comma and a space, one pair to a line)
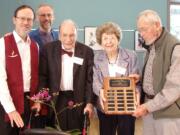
18, 73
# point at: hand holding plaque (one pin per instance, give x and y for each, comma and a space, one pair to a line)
120, 95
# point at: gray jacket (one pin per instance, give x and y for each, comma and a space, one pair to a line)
127, 59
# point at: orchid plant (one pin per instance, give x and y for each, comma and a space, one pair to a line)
45, 98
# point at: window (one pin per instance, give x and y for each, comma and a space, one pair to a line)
174, 0
174, 17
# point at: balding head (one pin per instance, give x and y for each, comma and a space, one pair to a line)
149, 16
70, 23
68, 34
149, 26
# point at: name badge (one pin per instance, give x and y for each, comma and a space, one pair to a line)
121, 70
77, 60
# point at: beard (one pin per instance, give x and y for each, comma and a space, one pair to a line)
46, 25
150, 42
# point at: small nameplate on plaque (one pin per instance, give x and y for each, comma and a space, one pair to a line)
120, 95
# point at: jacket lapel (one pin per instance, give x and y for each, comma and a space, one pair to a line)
57, 56
53, 35
78, 52
38, 38
103, 64
123, 61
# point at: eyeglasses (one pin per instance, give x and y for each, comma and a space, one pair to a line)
24, 19
44, 15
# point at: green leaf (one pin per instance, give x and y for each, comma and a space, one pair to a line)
74, 132
50, 128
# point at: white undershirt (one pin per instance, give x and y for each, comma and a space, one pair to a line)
66, 72
112, 69
24, 51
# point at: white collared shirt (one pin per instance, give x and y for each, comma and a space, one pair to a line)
24, 51
67, 72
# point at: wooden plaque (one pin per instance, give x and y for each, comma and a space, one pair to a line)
120, 95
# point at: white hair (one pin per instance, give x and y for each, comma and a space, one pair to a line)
68, 21
149, 16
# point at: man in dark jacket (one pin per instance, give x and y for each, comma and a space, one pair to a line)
66, 69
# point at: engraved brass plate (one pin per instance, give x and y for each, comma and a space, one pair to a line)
120, 95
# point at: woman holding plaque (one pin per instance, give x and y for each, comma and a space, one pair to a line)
112, 61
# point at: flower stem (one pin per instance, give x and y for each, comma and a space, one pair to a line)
56, 116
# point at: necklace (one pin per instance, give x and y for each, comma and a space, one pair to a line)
113, 61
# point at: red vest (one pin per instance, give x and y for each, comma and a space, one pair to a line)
14, 71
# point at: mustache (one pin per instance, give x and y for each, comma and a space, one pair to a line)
45, 21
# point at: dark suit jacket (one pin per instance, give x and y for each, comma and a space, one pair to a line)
50, 70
